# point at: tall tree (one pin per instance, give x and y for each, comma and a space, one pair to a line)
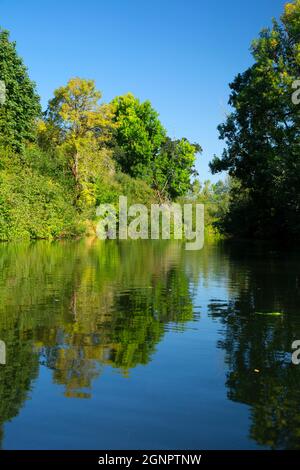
77, 121
262, 135
21, 106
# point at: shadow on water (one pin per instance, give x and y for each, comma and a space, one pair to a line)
79, 307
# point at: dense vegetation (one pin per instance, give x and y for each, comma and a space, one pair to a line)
57, 166
262, 137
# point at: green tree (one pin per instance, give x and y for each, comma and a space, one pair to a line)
173, 168
139, 135
262, 136
21, 107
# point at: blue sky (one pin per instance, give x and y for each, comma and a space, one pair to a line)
179, 54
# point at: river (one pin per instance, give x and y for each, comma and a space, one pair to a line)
144, 345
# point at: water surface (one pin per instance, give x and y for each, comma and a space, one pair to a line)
144, 345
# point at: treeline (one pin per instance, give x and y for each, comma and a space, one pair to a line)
262, 136
57, 166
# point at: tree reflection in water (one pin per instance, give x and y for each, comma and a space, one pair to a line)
78, 307
258, 347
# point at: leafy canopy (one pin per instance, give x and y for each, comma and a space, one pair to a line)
77, 122
173, 168
138, 137
262, 135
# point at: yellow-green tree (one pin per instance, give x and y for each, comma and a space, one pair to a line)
76, 121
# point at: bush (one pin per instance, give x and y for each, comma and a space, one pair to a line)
137, 191
34, 206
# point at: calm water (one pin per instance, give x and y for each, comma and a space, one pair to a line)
144, 345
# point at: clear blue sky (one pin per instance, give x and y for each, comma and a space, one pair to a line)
179, 54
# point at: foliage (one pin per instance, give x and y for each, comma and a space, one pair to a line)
173, 168
81, 126
82, 153
33, 205
21, 106
143, 150
262, 136
136, 190
138, 136
215, 197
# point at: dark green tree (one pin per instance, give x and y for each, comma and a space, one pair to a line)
262, 136
173, 168
21, 106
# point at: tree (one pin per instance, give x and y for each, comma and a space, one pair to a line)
262, 136
21, 107
77, 121
139, 135
173, 168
